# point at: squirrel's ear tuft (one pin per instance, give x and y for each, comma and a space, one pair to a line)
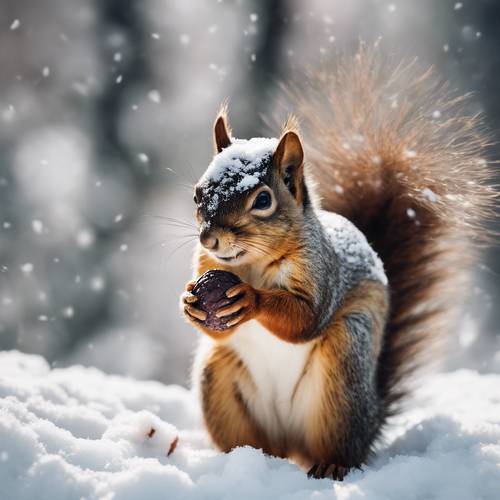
289, 158
222, 131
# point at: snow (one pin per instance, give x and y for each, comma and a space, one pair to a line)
77, 433
143, 157
351, 246
154, 96
241, 155
411, 213
430, 195
237, 169
68, 312
248, 182
37, 226
27, 268
97, 283
85, 238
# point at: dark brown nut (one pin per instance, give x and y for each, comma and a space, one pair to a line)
211, 289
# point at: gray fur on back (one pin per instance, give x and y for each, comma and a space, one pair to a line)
339, 257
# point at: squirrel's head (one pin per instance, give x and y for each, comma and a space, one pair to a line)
250, 201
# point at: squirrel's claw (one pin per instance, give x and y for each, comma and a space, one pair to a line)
324, 470
237, 319
338, 472
233, 308
190, 285
188, 298
195, 312
191, 312
312, 471
237, 289
243, 308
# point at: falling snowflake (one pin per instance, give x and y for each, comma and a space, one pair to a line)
154, 96
97, 283
27, 268
37, 226
411, 213
68, 312
85, 238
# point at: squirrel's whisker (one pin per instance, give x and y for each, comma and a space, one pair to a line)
171, 220
164, 242
181, 245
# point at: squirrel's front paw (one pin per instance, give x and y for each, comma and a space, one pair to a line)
188, 300
244, 308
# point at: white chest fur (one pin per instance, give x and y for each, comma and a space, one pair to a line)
277, 369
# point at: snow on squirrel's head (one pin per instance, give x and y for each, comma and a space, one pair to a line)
251, 196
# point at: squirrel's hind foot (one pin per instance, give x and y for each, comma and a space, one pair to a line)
325, 470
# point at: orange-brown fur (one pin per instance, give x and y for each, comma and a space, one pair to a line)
230, 424
288, 315
226, 415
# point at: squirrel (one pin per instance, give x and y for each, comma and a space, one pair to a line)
351, 260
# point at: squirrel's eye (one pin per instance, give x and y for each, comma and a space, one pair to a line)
195, 199
263, 201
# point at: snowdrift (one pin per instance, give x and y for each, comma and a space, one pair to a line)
77, 433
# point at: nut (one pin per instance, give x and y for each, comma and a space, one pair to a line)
211, 290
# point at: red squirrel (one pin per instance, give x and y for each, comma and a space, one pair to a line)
351, 247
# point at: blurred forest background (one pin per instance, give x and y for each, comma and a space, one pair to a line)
106, 109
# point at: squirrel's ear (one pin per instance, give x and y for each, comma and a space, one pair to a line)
222, 132
289, 158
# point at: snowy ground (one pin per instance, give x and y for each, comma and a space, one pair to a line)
76, 433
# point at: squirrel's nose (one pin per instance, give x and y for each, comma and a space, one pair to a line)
208, 240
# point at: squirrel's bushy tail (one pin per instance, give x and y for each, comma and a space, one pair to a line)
394, 153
